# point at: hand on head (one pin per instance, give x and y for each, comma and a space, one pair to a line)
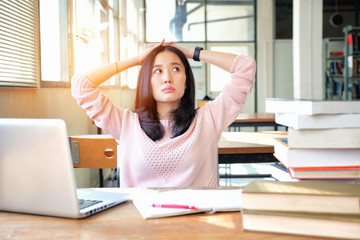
152, 47
188, 52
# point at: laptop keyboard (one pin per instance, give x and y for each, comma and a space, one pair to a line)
84, 203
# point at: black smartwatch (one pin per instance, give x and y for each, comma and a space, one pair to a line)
197, 53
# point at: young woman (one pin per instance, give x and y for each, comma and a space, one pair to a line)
166, 142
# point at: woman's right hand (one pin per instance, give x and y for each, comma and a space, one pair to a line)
142, 56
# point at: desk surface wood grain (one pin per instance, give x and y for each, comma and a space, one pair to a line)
255, 117
248, 142
124, 222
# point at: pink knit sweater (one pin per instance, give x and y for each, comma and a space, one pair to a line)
189, 160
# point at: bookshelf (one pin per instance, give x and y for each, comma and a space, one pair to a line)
351, 63
333, 65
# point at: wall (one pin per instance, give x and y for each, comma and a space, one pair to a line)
283, 69
58, 103
45, 103
265, 51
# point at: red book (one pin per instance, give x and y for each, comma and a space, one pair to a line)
339, 53
334, 168
350, 40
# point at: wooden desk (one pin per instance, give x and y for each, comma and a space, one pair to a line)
247, 147
125, 222
255, 120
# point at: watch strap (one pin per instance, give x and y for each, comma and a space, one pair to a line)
197, 53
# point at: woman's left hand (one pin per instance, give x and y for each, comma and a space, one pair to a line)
188, 52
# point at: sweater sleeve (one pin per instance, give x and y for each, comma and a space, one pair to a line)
98, 106
228, 104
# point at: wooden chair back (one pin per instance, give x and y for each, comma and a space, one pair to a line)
94, 151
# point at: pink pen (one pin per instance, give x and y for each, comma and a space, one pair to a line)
179, 206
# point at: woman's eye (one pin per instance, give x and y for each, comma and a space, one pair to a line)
157, 71
176, 69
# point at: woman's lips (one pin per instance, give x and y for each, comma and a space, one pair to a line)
168, 89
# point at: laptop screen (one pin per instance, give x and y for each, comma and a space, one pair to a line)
36, 171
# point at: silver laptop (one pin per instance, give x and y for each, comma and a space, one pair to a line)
37, 174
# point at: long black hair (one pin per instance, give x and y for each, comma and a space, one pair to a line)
145, 104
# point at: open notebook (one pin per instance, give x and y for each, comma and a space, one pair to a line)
37, 174
210, 201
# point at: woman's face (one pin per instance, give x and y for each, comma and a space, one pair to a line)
168, 79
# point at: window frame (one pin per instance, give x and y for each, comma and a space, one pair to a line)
65, 12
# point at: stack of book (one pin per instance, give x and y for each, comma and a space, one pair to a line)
315, 208
323, 139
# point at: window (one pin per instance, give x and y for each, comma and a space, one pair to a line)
175, 20
77, 35
197, 21
218, 78
94, 35
54, 43
132, 37
220, 25
19, 48
74, 36
230, 21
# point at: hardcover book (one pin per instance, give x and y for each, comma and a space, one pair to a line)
315, 157
308, 224
321, 121
324, 138
311, 107
330, 197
